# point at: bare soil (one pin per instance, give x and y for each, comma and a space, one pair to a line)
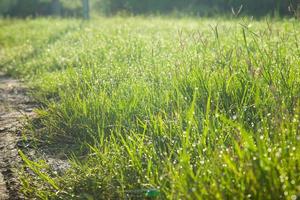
15, 108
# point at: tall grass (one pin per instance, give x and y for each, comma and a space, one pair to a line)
197, 109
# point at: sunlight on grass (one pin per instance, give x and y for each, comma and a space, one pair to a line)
191, 108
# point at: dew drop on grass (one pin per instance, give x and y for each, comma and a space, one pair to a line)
261, 137
293, 197
278, 153
282, 178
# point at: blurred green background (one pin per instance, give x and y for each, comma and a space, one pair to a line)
73, 8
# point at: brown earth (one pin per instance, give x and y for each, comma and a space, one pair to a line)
15, 107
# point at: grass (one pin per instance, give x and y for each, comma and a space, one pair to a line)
192, 108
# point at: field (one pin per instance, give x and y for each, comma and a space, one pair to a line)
160, 108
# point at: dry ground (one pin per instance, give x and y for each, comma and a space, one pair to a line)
15, 106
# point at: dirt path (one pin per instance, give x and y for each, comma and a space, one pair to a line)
15, 106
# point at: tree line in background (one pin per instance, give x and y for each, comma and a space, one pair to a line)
25, 8
201, 7
73, 8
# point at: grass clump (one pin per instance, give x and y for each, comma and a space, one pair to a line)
195, 109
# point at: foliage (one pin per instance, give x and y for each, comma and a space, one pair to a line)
5, 5
24, 8
198, 7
